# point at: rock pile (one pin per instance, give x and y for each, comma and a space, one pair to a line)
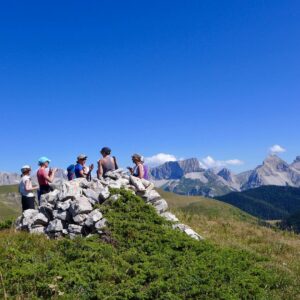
69, 210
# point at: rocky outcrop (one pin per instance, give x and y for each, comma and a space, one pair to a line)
71, 209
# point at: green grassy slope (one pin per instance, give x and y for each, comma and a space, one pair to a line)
228, 227
10, 203
266, 202
143, 258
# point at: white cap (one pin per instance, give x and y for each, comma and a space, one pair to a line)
26, 167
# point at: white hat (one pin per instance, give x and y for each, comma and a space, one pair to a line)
26, 167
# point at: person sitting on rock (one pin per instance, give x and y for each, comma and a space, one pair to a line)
44, 177
106, 163
26, 189
138, 170
81, 170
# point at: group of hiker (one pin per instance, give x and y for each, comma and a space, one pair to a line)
79, 170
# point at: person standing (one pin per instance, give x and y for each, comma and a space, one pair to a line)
106, 163
26, 189
81, 170
44, 177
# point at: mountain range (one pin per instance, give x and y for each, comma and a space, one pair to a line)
188, 177
7, 178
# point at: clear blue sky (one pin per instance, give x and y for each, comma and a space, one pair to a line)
187, 78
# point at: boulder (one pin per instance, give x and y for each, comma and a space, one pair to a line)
47, 210
151, 196
96, 184
137, 183
91, 195
55, 226
37, 230
161, 205
74, 229
40, 219
187, 230
80, 206
112, 175
104, 194
50, 198
62, 215
64, 205
28, 217
70, 190
101, 224
93, 217
79, 219
169, 216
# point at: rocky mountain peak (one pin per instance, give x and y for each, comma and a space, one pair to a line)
225, 174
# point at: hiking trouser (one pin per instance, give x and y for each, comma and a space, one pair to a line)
27, 202
44, 189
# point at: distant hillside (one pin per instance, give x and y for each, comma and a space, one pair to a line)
266, 202
10, 202
291, 222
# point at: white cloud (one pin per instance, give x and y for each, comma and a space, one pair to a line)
277, 149
210, 162
159, 159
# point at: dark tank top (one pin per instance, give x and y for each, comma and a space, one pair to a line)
108, 164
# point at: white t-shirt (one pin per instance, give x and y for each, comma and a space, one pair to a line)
22, 186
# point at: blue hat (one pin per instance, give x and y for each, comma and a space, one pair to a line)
43, 159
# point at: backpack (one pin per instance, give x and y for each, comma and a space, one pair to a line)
146, 172
71, 172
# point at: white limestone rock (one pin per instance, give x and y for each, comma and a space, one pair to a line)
40, 219
93, 217
169, 216
80, 206
104, 194
137, 183
74, 229
160, 205
79, 219
101, 224
64, 205
190, 232
70, 190
54, 226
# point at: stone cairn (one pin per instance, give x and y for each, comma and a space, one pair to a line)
69, 210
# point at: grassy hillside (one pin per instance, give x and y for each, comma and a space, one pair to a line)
230, 228
143, 258
266, 202
10, 202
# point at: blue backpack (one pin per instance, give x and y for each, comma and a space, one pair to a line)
71, 171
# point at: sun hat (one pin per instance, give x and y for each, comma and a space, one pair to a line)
81, 156
44, 159
137, 156
25, 167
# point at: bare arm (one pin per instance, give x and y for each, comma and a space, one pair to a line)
100, 169
29, 187
50, 177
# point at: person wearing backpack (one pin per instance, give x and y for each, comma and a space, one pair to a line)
26, 189
106, 163
71, 172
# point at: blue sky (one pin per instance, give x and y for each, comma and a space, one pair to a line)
185, 78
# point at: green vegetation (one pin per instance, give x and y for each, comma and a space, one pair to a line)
10, 202
266, 202
226, 226
292, 222
142, 258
